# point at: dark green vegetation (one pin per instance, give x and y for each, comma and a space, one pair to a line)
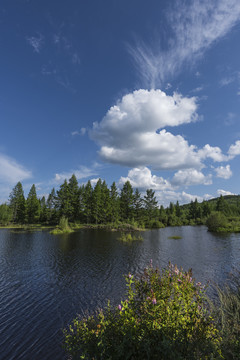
106, 207
165, 315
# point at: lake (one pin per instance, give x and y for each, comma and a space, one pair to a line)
45, 280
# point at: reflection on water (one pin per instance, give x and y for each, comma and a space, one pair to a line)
46, 280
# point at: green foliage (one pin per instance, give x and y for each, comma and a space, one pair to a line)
165, 316
129, 237
175, 237
126, 201
216, 222
154, 224
63, 227
150, 204
17, 204
228, 315
5, 214
32, 206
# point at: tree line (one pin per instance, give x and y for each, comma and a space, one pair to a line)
99, 204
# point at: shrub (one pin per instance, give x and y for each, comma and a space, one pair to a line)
216, 221
165, 316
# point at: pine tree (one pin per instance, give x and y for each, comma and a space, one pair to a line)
87, 202
97, 206
17, 203
150, 204
33, 206
43, 210
51, 204
105, 203
126, 201
114, 203
74, 198
64, 201
137, 205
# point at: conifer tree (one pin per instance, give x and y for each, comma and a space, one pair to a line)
64, 201
17, 203
105, 203
97, 206
137, 205
33, 206
150, 204
87, 202
126, 201
74, 198
114, 203
51, 205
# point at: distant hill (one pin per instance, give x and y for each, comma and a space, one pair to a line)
231, 200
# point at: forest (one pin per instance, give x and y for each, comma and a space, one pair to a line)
99, 205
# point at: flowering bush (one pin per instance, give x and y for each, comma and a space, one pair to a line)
165, 316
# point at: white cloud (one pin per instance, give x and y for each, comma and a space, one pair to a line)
81, 173
165, 197
215, 153
11, 171
81, 132
195, 25
224, 192
223, 172
94, 182
143, 179
36, 42
189, 177
234, 150
130, 133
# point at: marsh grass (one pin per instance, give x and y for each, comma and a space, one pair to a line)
63, 227
174, 237
129, 237
228, 316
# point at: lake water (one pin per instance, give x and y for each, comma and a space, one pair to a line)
45, 280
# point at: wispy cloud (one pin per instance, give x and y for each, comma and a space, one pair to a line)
82, 172
81, 132
36, 42
195, 25
11, 171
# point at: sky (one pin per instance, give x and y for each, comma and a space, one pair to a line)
145, 91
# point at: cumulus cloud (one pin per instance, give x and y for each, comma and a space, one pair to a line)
189, 177
130, 134
234, 150
224, 192
195, 26
223, 172
215, 153
11, 171
143, 179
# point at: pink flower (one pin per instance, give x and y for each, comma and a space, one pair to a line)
179, 280
119, 307
129, 275
154, 301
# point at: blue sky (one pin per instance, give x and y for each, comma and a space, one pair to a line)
146, 91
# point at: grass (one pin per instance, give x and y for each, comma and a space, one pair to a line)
62, 228
228, 314
174, 237
128, 237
